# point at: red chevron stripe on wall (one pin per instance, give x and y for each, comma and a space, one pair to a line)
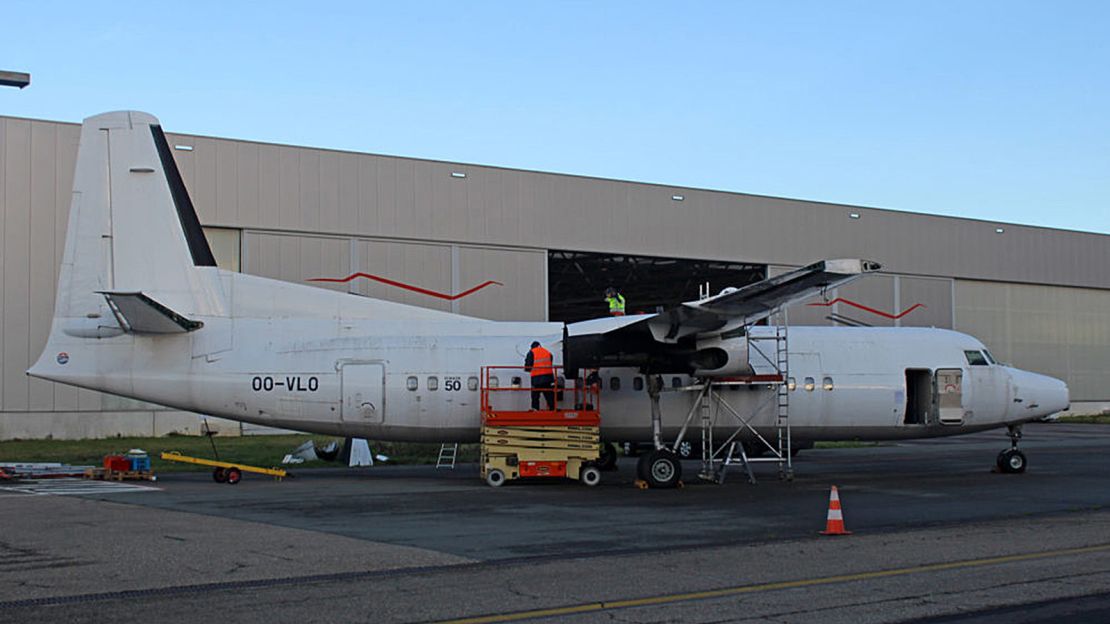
416, 289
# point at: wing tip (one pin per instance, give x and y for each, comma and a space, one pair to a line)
851, 265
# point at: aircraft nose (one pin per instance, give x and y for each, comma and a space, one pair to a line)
1038, 395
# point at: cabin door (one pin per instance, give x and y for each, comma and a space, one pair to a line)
950, 396
920, 402
363, 392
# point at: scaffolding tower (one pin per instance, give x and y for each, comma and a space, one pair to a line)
712, 411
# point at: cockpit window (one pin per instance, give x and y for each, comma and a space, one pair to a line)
976, 358
990, 358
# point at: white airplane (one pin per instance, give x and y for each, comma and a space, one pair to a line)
142, 311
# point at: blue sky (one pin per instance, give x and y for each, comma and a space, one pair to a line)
996, 110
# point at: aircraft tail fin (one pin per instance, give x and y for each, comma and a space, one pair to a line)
132, 227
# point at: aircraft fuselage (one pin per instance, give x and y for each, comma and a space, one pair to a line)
418, 380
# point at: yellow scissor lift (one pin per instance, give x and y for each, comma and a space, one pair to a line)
517, 442
224, 472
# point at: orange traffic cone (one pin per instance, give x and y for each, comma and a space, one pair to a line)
834, 525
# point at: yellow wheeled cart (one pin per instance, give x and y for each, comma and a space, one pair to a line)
225, 472
516, 442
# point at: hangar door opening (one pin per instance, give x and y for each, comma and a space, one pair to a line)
577, 281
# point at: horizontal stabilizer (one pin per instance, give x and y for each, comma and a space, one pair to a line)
139, 314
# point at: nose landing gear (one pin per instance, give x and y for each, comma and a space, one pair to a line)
1012, 460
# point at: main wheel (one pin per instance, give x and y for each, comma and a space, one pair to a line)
590, 476
661, 469
1012, 461
685, 449
219, 475
495, 478
608, 458
234, 475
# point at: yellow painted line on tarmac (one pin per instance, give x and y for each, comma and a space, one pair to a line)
592, 607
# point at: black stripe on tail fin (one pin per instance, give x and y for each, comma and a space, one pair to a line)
194, 235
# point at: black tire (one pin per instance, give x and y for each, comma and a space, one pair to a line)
1012, 461
641, 467
608, 457
219, 476
590, 476
685, 449
495, 478
234, 476
662, 469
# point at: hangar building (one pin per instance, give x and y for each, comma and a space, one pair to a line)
1038, 297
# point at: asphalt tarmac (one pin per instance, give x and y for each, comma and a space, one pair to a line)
937, 537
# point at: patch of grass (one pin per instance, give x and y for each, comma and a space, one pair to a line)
844, 444
265, 450
1085, 419
420, 453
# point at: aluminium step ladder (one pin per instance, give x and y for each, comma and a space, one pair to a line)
448, 453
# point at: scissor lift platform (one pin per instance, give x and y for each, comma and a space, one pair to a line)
518, 443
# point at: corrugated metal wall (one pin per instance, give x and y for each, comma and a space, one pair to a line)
1059, 331
272, 187
304, 213
441, 267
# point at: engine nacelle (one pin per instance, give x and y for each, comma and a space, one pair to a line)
721, 358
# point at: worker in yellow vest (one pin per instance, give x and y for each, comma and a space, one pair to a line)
615, 301
540, 364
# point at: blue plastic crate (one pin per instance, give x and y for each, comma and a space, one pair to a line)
140, 464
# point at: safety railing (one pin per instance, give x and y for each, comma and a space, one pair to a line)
507, 397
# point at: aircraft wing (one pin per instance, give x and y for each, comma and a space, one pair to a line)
638, 340
736, 307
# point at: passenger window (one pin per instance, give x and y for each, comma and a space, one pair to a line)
638, 384
791, 384
472, 383
827, 383
810, 384
614, 383
433, 383
411, 383
676, 382
976, 358
494, 382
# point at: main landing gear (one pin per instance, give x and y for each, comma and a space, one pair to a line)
608, 457
660, 468
1012, 460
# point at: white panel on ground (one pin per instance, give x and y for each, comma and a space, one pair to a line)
360, 453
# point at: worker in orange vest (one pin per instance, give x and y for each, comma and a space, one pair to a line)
539, 363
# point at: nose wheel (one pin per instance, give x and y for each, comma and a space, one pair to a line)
1012, 460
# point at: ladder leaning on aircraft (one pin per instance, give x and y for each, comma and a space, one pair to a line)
143, 311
